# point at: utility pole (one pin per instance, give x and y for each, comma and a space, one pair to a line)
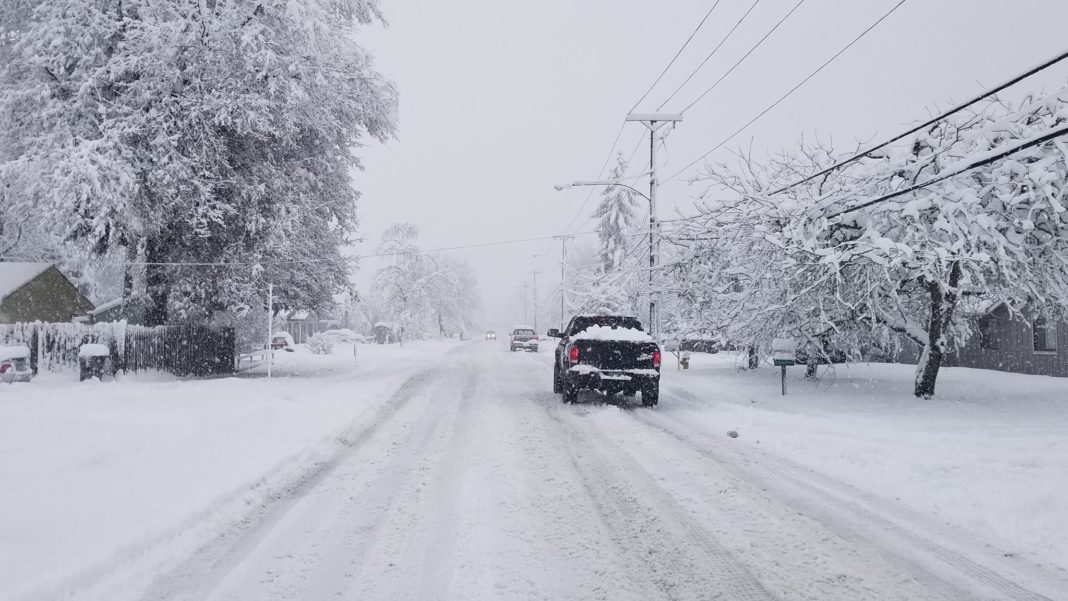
526, 301
535, 299
653, 122
270, 328
564, 239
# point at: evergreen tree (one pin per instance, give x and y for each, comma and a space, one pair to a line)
617, 218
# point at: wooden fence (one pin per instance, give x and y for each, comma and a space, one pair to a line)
184, 350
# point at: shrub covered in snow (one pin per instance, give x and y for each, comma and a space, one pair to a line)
321, 345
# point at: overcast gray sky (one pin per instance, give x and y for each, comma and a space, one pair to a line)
501, 100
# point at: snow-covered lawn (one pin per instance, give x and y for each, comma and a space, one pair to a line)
989, 454
93, 474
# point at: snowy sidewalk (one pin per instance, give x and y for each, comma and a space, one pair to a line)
988, 455
96, 473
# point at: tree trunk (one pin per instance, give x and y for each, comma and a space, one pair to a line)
811, 368
156, 284
753, 358
942, 305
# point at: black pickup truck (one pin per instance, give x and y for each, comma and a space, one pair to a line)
609, 353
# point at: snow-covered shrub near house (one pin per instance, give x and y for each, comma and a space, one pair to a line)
320, 344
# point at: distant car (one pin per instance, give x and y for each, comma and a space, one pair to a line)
282, 340
491, 335
15, 364
523, 338
344, 335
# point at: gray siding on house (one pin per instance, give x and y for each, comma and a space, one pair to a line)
1013, 342
49, 297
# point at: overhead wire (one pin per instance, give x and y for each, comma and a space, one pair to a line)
956, 109
958, 171
622, 126
303, 261
676, 57
710, 55
745, 56
788, 93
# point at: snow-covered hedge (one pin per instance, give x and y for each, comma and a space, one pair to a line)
320, 344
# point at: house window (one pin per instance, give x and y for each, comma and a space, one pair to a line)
1045, 335
988, 334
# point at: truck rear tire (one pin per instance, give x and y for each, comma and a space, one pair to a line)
570, 394
651, 395
557, 386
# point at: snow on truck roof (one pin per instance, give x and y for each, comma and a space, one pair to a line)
523, 328
15, 275
610, 333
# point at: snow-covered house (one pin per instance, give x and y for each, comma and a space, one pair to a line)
1002, 341
301, 324
38, 292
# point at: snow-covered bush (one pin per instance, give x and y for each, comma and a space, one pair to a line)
320, 344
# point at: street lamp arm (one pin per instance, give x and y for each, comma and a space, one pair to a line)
561, 187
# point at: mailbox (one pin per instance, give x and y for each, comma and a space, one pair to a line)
782, 352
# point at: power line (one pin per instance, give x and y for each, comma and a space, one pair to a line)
608, 158
676, 57
788, 93
300, 261
745, 56
710, 55
979, 163
1049, 63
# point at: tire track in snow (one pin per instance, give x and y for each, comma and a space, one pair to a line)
201, 573
859, 525
641, 506
434, 581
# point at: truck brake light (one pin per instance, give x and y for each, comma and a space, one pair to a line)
656, 358
4, 367
573, 355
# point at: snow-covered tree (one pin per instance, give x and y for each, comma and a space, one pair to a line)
188, 131
421, 294
617, 218
803, 264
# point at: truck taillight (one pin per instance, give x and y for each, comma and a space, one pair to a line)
574, 355
656, 358
4, 367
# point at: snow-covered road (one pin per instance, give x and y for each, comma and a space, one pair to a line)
475, 482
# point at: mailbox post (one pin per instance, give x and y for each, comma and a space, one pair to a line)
782, 355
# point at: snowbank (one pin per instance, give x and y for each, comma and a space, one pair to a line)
95, 477
987, 454
13, 352
93, 350
608, 333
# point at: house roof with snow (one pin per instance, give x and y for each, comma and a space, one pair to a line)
38, 292
15, 275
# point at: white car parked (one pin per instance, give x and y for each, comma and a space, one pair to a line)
15, 364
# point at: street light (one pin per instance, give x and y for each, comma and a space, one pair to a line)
653, 122
654, 327
609, 184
